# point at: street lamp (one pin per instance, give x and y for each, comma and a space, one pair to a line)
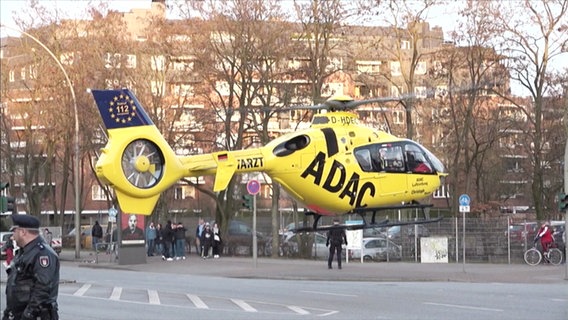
76, 140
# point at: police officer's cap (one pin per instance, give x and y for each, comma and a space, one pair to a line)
24, 221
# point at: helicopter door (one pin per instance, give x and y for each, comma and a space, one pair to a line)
384, 165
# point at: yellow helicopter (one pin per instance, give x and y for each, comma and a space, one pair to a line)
335, 167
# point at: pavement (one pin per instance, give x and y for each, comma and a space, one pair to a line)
301, 269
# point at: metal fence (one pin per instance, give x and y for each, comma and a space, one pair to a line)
492, 240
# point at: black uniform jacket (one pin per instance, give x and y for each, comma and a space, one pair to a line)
33, 281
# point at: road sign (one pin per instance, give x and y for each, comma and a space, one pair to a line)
112, 212
253, 187
464, 203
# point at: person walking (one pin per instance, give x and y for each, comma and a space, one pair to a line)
207, 240
216, 241
159, 242
198, 232
96, 235
179, 235
48, 236
150, 238
168, 237
33, 283
336, 237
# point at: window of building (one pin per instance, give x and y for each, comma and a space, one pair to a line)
421, 92
112, 60
395, 92
183, 90
421, 68
158, 63
131, 61
398, 117
23, 73
395, 68
223, 88
405, 45
443, 192
331, 89
12, 76
98, 193
369, 67
67, 58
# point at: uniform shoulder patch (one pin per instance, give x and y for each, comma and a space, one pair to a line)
44, 261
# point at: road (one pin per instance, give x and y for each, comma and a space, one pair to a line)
231, 288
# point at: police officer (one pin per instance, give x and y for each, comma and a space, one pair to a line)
336, 237
33, 280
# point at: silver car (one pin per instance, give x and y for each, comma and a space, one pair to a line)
378, 249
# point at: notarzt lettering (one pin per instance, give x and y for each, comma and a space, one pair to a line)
250, 163
337, 173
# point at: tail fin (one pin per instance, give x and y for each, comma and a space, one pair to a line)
120, 109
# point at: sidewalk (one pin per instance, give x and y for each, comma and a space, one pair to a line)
298, 269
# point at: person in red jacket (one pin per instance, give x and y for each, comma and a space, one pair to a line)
545, 236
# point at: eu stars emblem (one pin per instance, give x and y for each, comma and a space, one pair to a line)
122, 109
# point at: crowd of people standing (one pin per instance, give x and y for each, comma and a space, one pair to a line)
169, 240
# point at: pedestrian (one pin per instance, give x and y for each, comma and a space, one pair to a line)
179, 235
216, 241
150, 238
168, 236
198, 232
159, 242
8, 247
48, 236
336, 237
33, 282
206, 240
96, 235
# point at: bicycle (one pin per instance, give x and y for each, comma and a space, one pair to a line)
533, 256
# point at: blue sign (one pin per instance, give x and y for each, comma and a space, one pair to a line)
464, 200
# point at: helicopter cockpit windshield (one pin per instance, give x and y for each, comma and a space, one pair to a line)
403, 156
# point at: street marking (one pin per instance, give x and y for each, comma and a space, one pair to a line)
331, 294
243, 305
462, 307
116, 293
153, 297
197, 302
82, 290
298, 310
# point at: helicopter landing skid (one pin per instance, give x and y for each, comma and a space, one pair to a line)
373, 224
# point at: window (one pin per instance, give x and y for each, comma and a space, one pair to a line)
112, 60
330, 89
398, 117
421, 67
363, 156
443, 192
395, 68
369, 67
405, 44
98, 193
223, 88
158, 63
183, 90
23, 73
67, 58
395, 92
420, 92
12, 75
131, 61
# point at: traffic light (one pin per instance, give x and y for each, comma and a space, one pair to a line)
247, 201
562, 201
8, 204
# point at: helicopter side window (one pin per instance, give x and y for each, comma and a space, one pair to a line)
390, 159
363, 156
416, 161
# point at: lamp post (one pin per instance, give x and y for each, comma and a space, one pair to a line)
76, 140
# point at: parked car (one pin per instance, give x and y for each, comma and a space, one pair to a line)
86, 243
396, 232
521, 232
290, 245
238, 240
378, 249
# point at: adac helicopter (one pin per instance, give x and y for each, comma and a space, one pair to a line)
335, 167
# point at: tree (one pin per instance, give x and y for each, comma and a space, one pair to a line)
533, 36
